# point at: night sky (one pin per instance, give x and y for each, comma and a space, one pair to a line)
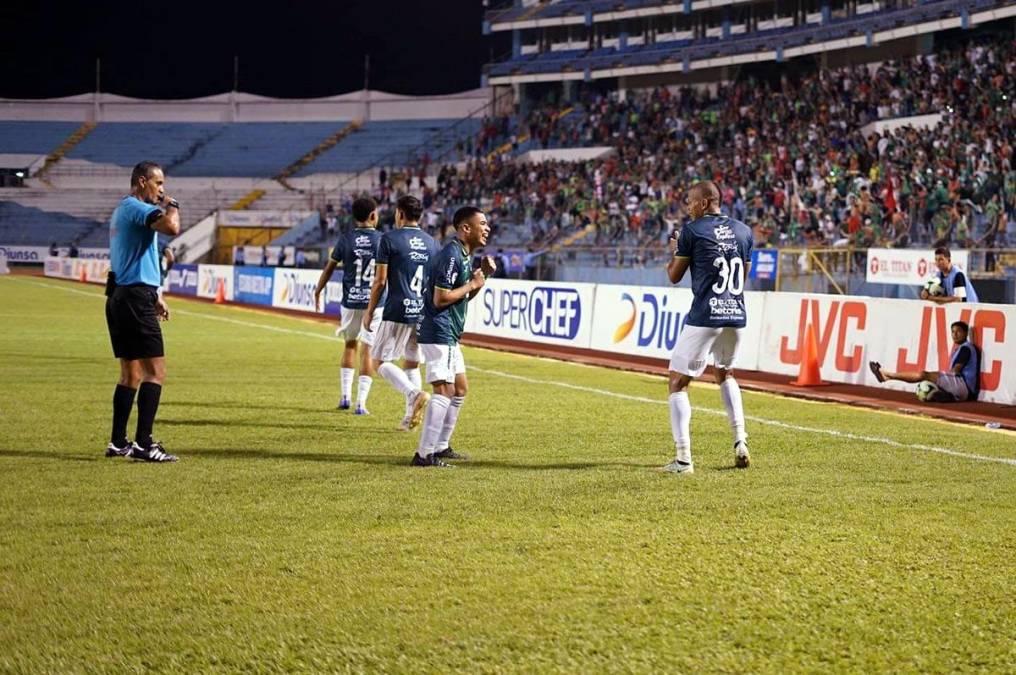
185, 49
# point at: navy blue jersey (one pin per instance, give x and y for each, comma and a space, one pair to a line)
357, 250
450, 269
407, 252
720, 249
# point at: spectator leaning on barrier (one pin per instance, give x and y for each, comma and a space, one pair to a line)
955, 283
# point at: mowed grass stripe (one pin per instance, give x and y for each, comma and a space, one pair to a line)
603, 392
292, 537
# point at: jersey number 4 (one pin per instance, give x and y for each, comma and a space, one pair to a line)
731, 276
416, 283
364, 277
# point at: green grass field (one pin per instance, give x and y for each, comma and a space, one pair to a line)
293, 537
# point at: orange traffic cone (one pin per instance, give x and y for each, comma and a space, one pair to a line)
84, 273
809, 375
220, 292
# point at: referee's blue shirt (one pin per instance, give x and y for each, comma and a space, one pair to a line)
133, 244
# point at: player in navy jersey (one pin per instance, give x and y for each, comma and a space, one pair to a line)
718, 251
134, 307
356, 251
453, 283
403, 261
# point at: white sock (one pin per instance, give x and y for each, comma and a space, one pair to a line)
363, 390
449, 422
413, 375
396, 377
731, 394
433, 422
346, 377
680, 425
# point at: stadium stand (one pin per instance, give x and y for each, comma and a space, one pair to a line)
34, 138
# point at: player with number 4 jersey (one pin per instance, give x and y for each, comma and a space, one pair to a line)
403, 264
717, 249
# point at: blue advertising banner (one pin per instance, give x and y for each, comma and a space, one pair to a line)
253, 285
763, 263
182, 279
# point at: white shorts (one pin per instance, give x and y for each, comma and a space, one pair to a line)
393, 341
696, 343
351, 326
444, 362
954, 384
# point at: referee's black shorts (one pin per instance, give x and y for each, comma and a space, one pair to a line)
133, 323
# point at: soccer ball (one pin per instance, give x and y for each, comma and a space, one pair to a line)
926, 390
934, 286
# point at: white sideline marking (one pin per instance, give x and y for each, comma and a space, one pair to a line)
760, 420
602, 392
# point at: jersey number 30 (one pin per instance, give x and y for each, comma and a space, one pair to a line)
731, 276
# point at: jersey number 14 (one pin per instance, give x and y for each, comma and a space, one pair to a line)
364, 277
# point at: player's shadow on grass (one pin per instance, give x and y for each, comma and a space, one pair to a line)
555, 466
239, 453
267, 424
56, 357
35, 454
243, 406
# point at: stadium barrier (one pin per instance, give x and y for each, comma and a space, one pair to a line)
903, 335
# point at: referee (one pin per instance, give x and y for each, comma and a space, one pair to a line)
134, 307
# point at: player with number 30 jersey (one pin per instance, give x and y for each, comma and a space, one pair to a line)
717, 250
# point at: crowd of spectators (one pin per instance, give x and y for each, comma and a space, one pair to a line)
790, 155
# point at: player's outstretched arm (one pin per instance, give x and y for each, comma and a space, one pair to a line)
326, 274
376, 289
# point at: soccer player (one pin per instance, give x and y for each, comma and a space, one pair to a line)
718, 251
134, 307
403, 260
962, 382
452, 285
356, 251
955, 284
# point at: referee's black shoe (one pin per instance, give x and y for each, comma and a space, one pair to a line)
113, 451
448, 453
153, 453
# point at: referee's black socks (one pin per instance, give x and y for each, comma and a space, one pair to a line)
123, 401
148, 404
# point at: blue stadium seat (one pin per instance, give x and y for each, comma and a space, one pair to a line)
29, 226
34, 138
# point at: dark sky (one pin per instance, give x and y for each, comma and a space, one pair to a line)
296, 49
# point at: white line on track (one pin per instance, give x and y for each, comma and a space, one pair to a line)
592, 390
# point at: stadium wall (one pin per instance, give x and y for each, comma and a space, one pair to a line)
645, 321
362, 105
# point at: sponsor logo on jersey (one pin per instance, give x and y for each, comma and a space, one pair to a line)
723, 232
362, 240
416, 256
417, 244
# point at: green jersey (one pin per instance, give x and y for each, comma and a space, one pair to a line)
451, 268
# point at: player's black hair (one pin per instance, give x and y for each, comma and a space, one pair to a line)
410, 207
962, 324
463, 214
362, 208
143, 170
942, 250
